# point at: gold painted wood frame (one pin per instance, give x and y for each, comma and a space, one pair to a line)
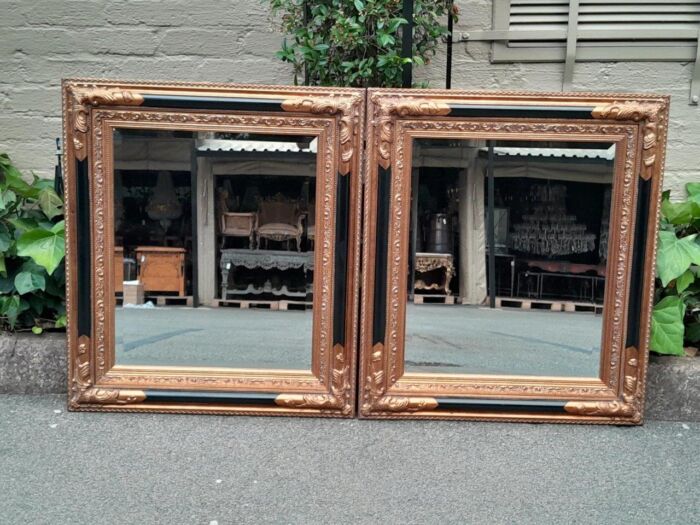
92, 109
637, 125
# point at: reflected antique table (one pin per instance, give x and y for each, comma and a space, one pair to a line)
427, 262
591, 273
265, 259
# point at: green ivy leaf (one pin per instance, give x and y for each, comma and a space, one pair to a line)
686, 279
23, 224
667, 326
37, 330
693, 189
47, 248
5, 241
26, 282
50, 203
359, 5
676, 255
3, 267
60, 322
680, 212
7, 197
10, 308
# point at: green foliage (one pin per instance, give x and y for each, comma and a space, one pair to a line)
357, 43
675, 320
32, 249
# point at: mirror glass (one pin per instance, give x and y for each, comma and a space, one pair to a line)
214, 249
507, 257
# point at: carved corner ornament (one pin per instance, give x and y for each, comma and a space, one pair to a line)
629, 407
392, 107
653, 119
348, 110
83, 392
83, 98
339, 399
374, 397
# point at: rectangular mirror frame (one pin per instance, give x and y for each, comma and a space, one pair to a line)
637, 124
92, 109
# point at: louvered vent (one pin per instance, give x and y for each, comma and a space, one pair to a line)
631, 29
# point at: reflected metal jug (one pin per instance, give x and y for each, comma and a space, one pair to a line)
439, 234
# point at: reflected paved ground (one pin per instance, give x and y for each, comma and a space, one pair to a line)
227, 337
440, 338
123, 469
456, 339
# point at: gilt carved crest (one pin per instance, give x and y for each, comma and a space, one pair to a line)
389, 110
348, 109
85, 98
652, 117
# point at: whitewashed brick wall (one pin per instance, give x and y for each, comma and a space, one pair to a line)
42, 41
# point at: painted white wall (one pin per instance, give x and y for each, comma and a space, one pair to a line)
42, 41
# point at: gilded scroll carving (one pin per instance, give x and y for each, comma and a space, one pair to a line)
652, 117
405, 404
389, 109
318, 401
629, 406
601, 408
83, 99
348, 108
84, 392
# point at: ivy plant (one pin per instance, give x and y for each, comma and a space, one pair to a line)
356, 43
32, 250
675, 321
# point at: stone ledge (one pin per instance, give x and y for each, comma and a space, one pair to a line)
673, 389
31, 364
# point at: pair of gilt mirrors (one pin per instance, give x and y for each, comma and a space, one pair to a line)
378, 253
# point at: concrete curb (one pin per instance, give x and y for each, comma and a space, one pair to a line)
673, 389
31, 364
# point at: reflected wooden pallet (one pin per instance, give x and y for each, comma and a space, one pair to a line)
435, 299
542, 304
264, 305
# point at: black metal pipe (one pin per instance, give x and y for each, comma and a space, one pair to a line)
194, 223
491, 230
58, 171
448, 67
407, 44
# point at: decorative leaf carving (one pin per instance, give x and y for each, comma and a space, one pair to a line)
649, 113
348, 108
389, 109
85, 97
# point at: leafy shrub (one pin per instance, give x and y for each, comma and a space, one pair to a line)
676, 316
32, 249
357, 43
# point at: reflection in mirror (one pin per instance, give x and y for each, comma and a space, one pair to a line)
525, 296
214, 249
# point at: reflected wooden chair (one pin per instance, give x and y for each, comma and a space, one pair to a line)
241, 224
279, 220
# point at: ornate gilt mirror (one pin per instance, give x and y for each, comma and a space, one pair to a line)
213, 247
509, 247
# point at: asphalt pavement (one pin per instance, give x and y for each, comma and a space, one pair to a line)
58, 467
